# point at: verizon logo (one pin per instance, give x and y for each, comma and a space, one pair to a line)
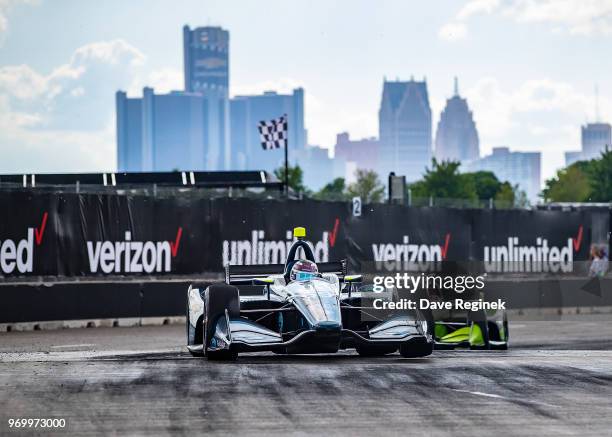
132, 256
411, 252
19, 255
259, 250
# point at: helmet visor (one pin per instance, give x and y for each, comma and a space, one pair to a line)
304, 276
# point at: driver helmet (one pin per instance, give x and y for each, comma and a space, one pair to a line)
303, 270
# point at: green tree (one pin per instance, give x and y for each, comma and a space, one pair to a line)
600, 177
486, 184
570, 184
296, 177
443, 180
505, 196
367, 186
520, 198
332, 191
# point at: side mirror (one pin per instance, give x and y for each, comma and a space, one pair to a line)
351, 279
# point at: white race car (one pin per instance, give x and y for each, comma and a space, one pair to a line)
262, 308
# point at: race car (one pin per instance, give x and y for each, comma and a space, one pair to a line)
299, 307
473, 330
476, 328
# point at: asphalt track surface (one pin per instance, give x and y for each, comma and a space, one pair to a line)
555, 380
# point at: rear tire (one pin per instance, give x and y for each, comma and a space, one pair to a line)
506, 330
504, 346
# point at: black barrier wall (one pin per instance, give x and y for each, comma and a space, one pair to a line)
73, 235
136, 299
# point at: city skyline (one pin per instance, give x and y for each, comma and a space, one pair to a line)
57, 115
199, 127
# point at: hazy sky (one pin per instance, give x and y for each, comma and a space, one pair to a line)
527, 67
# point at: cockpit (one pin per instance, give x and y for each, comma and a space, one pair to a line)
304, 268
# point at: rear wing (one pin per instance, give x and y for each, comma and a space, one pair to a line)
242, 274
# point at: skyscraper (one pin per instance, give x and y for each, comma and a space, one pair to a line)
247, 111
206, 59
317, 167
206, 71
175, 131
456, 136
363, 153
595, 137
518, 168
185, 130
404, 129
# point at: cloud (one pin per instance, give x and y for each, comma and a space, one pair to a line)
453, 31
162, 81
3, 23
587, 17
112, 52
328, 116
22, 82
476, 7
63, 120
5, 7
9, 120
284, 85
58, 151
499, 110
332, 117
539, 114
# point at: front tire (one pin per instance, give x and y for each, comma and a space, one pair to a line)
418, 350
375, 350
480, 319
197, 332
219, 298
223, 355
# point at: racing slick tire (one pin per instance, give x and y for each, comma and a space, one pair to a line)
375, 350
418, 350
480, 319
219, 298
198, 332
500, 344
507, 331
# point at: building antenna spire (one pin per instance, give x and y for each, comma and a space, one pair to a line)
456, 86
596, 103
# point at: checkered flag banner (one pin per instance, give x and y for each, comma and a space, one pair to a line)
273, 133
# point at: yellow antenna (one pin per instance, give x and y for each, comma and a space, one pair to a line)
299, 232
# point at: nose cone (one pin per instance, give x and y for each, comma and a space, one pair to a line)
319, 305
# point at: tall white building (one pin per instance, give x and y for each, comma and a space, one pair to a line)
456, 136
594, 139
174, 131
518, 168
404, 129
245, 114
